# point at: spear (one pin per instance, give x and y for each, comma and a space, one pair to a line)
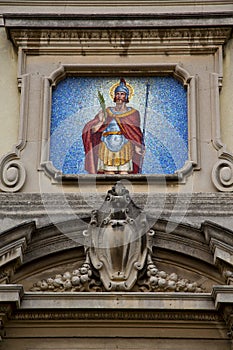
144, 125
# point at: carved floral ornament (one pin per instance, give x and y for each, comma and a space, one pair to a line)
118, 245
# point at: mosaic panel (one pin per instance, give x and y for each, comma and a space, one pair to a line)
162, 106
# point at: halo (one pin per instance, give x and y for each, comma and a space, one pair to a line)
113, 87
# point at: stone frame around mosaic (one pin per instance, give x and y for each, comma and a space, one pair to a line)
172, 69
34, 81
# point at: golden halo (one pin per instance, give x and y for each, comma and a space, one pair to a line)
113, 87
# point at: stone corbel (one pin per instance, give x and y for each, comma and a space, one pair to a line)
11, 256
223, 300
10, 298
12, 247
221, 248
223, 258
222, 251
12, 170
3, 319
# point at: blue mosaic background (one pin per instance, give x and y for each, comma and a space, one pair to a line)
75, 102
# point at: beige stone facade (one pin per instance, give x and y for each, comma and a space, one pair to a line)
45, 214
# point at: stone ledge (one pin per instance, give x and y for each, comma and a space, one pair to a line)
11, 294
130, 6
222, 295
105, 18
118, 300
218, 203
191, 208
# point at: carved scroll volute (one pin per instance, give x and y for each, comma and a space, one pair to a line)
12, 171
12, 174
222, 174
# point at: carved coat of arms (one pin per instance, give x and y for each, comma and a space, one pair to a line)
118, 240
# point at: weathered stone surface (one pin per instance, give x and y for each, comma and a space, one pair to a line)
185, 244
193, 208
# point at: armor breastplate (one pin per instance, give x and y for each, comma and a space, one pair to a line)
113, 138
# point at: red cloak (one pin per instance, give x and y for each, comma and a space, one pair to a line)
129, 123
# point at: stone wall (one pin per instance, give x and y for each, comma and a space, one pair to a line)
42, 211
9, 95
195, 52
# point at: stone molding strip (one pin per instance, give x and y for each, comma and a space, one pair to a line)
18, 305
30, 205
117, 315
118, 20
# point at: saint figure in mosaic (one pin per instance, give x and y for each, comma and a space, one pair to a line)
113, 140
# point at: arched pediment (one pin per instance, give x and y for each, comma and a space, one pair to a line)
164, 271
181, 257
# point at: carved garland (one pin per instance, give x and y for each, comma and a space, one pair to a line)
84, 280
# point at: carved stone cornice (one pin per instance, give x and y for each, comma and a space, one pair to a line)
198, 5
119, 41
119, 306
160, 301
152, 14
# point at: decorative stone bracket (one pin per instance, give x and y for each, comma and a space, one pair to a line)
12, 249
223, 297
221, 247
10, 299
